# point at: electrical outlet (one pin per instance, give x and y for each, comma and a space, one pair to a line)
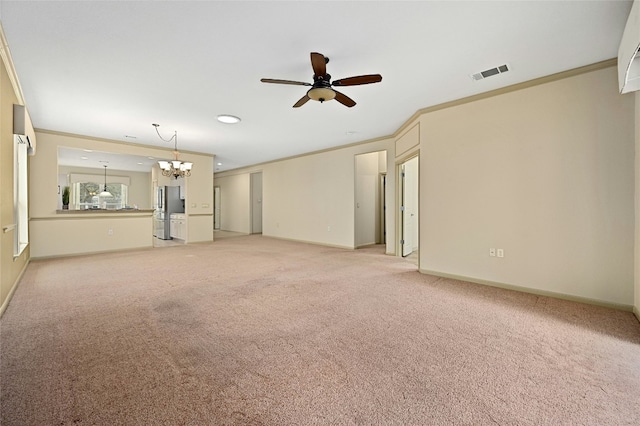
492, 252
328, 228
500, 253
110, 232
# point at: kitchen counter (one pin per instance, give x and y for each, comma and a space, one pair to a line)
90, 211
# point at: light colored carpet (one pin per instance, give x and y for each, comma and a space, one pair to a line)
253, 330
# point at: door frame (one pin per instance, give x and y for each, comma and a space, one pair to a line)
399, 197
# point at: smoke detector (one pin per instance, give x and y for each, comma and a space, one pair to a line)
490, 72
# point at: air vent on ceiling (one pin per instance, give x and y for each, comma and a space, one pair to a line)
488, 73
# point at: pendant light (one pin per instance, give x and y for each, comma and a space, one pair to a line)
105, 193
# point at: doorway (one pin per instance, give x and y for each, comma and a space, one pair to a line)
256, 203
383, 208
409, 197
370, 170
216, 207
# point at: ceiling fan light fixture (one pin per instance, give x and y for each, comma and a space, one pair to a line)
321, 89
321, 94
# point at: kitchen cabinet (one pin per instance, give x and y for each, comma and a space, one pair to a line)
178, 228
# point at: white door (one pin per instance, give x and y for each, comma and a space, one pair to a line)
409, 206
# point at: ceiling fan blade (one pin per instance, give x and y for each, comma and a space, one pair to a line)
273, 80
303, 100
319, 64
361, 79
344, 99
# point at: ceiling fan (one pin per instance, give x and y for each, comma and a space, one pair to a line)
322, 87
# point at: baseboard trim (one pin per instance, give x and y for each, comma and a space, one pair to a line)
93, 253
5, 304
367, 245
637, 313
315, 243
572, 298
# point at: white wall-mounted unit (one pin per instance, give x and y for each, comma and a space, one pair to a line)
22, 127
629, 53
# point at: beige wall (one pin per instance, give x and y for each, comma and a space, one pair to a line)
10, 268
637, 248
199, 197
107, 231
81, 234
235, 200
408, 142
545, 173
309, 198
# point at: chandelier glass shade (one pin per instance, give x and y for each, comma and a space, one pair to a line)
321, 94
173, 168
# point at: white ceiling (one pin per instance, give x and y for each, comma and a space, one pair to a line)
111, 69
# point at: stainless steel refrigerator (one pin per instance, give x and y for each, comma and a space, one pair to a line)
168, 201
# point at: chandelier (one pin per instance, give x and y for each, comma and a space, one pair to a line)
175, 167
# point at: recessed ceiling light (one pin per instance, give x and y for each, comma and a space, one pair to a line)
219, 164
84, 158
87, 150
350, 133
228, 119
151, 158
130, 137
140, 164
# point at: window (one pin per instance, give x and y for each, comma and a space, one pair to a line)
86, 189
20, 195
86, 195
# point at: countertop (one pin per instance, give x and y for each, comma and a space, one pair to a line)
90, 211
